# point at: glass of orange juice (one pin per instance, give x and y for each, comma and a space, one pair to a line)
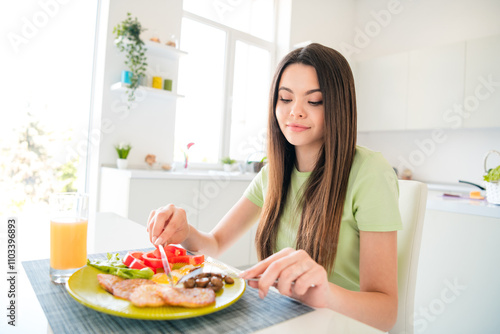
68, 234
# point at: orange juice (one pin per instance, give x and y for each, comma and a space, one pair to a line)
68, 243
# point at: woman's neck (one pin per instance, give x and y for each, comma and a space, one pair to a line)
306, 158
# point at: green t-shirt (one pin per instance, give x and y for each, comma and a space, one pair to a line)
371, 204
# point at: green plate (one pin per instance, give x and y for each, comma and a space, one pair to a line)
84, 287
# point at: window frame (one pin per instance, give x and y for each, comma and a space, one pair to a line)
232, 35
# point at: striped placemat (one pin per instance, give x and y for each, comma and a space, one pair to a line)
66, 315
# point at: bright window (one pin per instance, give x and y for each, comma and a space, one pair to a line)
201, 80
47, 53
250, 100
225, 78
254, 17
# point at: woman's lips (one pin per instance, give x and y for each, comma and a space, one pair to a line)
297, 127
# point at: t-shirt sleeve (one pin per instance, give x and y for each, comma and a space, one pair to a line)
255, 191
376, 196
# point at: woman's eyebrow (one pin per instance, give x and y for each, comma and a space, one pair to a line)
307, 93
285, 88
313, 91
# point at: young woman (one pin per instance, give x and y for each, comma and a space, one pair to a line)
327, 209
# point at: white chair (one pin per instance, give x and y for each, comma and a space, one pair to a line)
412, 203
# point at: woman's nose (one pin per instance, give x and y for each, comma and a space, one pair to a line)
297, 111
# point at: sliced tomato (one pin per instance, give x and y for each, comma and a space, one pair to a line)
196, 260
130, 257
179, 259
137, 264
157, 253
151, 261
176, 251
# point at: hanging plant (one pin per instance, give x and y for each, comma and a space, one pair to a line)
128, 40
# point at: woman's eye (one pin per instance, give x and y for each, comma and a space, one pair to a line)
316, 103
285, 100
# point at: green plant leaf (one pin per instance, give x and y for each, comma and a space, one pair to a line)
128, 38
493, 175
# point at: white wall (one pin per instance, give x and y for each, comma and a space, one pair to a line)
411, 25
426, 23
149, 125
328, 22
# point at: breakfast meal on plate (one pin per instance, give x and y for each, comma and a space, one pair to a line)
214, 281
124, 289
146, 264
108, 281
147, 296
196, 297
146, 293
139, 277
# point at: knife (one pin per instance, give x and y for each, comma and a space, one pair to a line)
166, 265
200, 270
190, 275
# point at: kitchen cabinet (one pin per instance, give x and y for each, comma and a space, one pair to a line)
381, 88
205, 197
145, 195
436, 84
450, 87
482, 83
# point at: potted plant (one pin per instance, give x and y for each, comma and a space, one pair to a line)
257, 165
493, 175
128, 40
228, 163
186, 155
492, 181
123, 151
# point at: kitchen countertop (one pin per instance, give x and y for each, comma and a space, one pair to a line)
181, 175
464, 205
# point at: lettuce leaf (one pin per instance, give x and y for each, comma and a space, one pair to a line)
114, 265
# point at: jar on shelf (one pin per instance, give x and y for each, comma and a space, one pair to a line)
172, 41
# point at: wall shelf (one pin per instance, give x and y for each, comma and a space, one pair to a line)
121, 87
164, 50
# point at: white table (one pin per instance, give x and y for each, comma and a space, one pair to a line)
110, 232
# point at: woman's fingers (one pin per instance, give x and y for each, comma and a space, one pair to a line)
160, 221
174, 224
310, 279
285, 265
149, 228
261, 267
293, 272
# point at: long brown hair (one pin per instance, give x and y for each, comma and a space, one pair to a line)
323, 198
